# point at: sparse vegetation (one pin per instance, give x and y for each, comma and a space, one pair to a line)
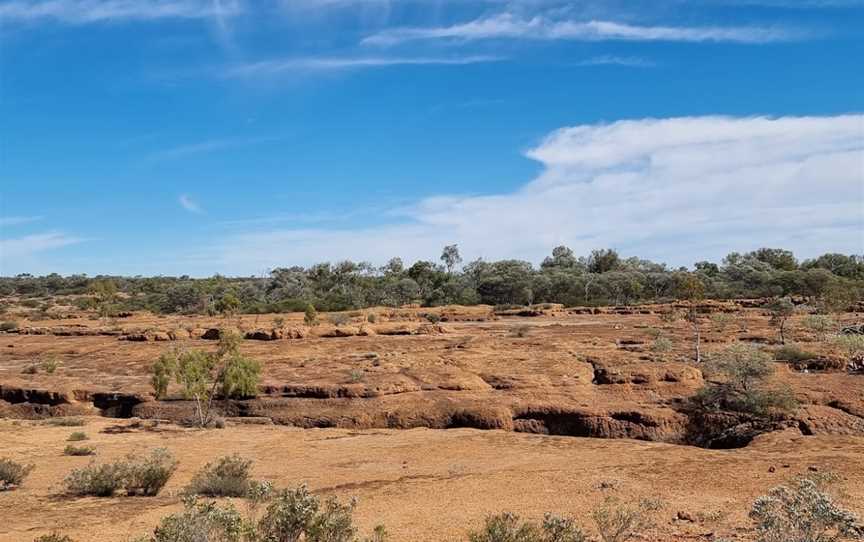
50, 365
721, 320
310, 317
138, 476
520, 331
77, 436
12, 473
53, 537
822, 325
804, 511
793, 353
95, 480
781, 310
508, 527
228, 477
339, 319
8, 326
620, 522
290, 515
662, 345
743, 371
73, 450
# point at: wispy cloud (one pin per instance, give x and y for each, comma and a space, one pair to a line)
510, 26
211, 145
189, 204
18, 220
318, 64
673, 189
95, 11
611, 60
37, 242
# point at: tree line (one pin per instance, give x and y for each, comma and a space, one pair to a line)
603, 277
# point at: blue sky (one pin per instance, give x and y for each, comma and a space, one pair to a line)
196, 136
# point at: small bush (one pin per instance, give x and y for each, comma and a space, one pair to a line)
30, 369
432, 317
137, 476
53, 537
851, 345
721, 320
200, 522
147, 476
661, 345
279, 322
618, 522
77, 436
8, 326
65, 422
289, 514
744, 370
803, 511
12, 474
95, 480
339, 319
508, 527
371, 317
520, 331
820, 324
228, 477
310, 317
50, 365
793, 353
71, 449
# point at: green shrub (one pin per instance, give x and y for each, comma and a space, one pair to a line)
138, 476
508, 527
339, 319
71, 449
661, 345
228, 477
12, 474
50, 365
289, 514
95, 480
147, 476
53, 537
820, 324
619, 522
8, 326
432, 317
310, 317
77, 436
793, 353
851, 345
371, 317
803, 511
201, 522
743, 370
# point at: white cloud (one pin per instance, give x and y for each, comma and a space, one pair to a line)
208, 146
317, 64
611, 60
510, 26
94, 11
22, 252
676, 189
189, 204
18, 220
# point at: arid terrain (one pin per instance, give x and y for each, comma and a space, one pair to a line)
432, 418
